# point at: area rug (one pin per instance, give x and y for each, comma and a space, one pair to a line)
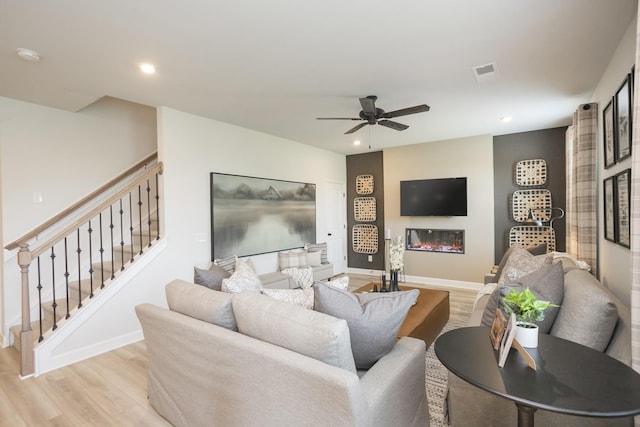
460, 304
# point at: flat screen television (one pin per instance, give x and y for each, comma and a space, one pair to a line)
434, 197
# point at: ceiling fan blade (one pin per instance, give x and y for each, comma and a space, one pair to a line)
392, 125
369, 104
406, 111
352, 130
338, 118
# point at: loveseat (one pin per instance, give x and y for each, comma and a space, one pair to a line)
588, 314
248, 360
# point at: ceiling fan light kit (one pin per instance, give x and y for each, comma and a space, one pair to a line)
371, 115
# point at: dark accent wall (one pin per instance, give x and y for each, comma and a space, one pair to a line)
548, 144
366, 164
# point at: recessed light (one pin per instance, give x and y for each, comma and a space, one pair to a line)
356, 142
28, 54
147, 68
505, 119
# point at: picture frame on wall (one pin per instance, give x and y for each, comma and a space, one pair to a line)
609, 136
609, 209
622, 115
623, 201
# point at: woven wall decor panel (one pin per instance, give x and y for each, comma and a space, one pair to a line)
531, 172
529, 235
364, 209
365, 239
364, 184
538, 200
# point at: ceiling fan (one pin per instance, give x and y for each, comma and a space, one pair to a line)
372, 115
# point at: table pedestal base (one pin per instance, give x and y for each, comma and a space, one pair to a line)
525, 415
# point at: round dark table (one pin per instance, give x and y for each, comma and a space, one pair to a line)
570, 378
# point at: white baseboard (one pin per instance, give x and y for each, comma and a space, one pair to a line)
419, 280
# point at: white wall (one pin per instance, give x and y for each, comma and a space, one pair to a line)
471, 157
615, 260
192, 147
64, 156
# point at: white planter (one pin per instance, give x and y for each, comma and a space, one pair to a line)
527, 335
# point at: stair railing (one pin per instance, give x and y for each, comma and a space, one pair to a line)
135, 198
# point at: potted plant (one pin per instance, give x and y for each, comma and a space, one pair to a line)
527, 309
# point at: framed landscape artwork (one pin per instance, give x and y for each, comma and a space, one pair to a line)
609, 136
609, 209
622, 114
252, 215
622, 192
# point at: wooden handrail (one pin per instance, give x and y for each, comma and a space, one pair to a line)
41, 247
33, 233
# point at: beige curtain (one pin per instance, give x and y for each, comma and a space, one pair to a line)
582, 236
635, 220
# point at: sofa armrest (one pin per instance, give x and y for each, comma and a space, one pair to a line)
394, 386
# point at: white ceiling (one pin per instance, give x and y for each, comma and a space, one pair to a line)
274, 66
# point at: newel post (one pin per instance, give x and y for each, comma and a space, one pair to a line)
26, 336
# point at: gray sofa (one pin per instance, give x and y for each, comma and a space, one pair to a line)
248, 360
605, 324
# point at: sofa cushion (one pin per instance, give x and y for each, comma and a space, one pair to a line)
292, 259
520, 263
546, 283
201, 303
211, 278
374, 318
322, 247
339, 282
534, 250
244, 278
307, 332
301, 297
588, 315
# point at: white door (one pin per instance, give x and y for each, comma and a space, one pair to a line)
336, 227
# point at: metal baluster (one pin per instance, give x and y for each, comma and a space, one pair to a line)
149, 211
157, 208
39, 287
133, 242
140, 218
90, 231
101, 255
113, 266
121, 236
53, 281
79, 251
66, 276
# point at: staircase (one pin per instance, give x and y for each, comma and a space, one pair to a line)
69, 261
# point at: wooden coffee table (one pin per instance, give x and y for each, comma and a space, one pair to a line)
427, 317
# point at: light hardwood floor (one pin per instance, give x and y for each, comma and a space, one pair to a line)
106, 390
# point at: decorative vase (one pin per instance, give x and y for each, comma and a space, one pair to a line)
383, 287
527, 334
393, 285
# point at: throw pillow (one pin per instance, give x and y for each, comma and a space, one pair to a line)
227, 263
292, 259
322, 247
243, 279
374, 319
546, 283
307, 332
301, 297
211, 278
314, 258
201, 303
520, 263
589, 315
540, 249
302, 277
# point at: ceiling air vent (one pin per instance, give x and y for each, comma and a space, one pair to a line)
484, 73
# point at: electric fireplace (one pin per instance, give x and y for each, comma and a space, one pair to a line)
430, 240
